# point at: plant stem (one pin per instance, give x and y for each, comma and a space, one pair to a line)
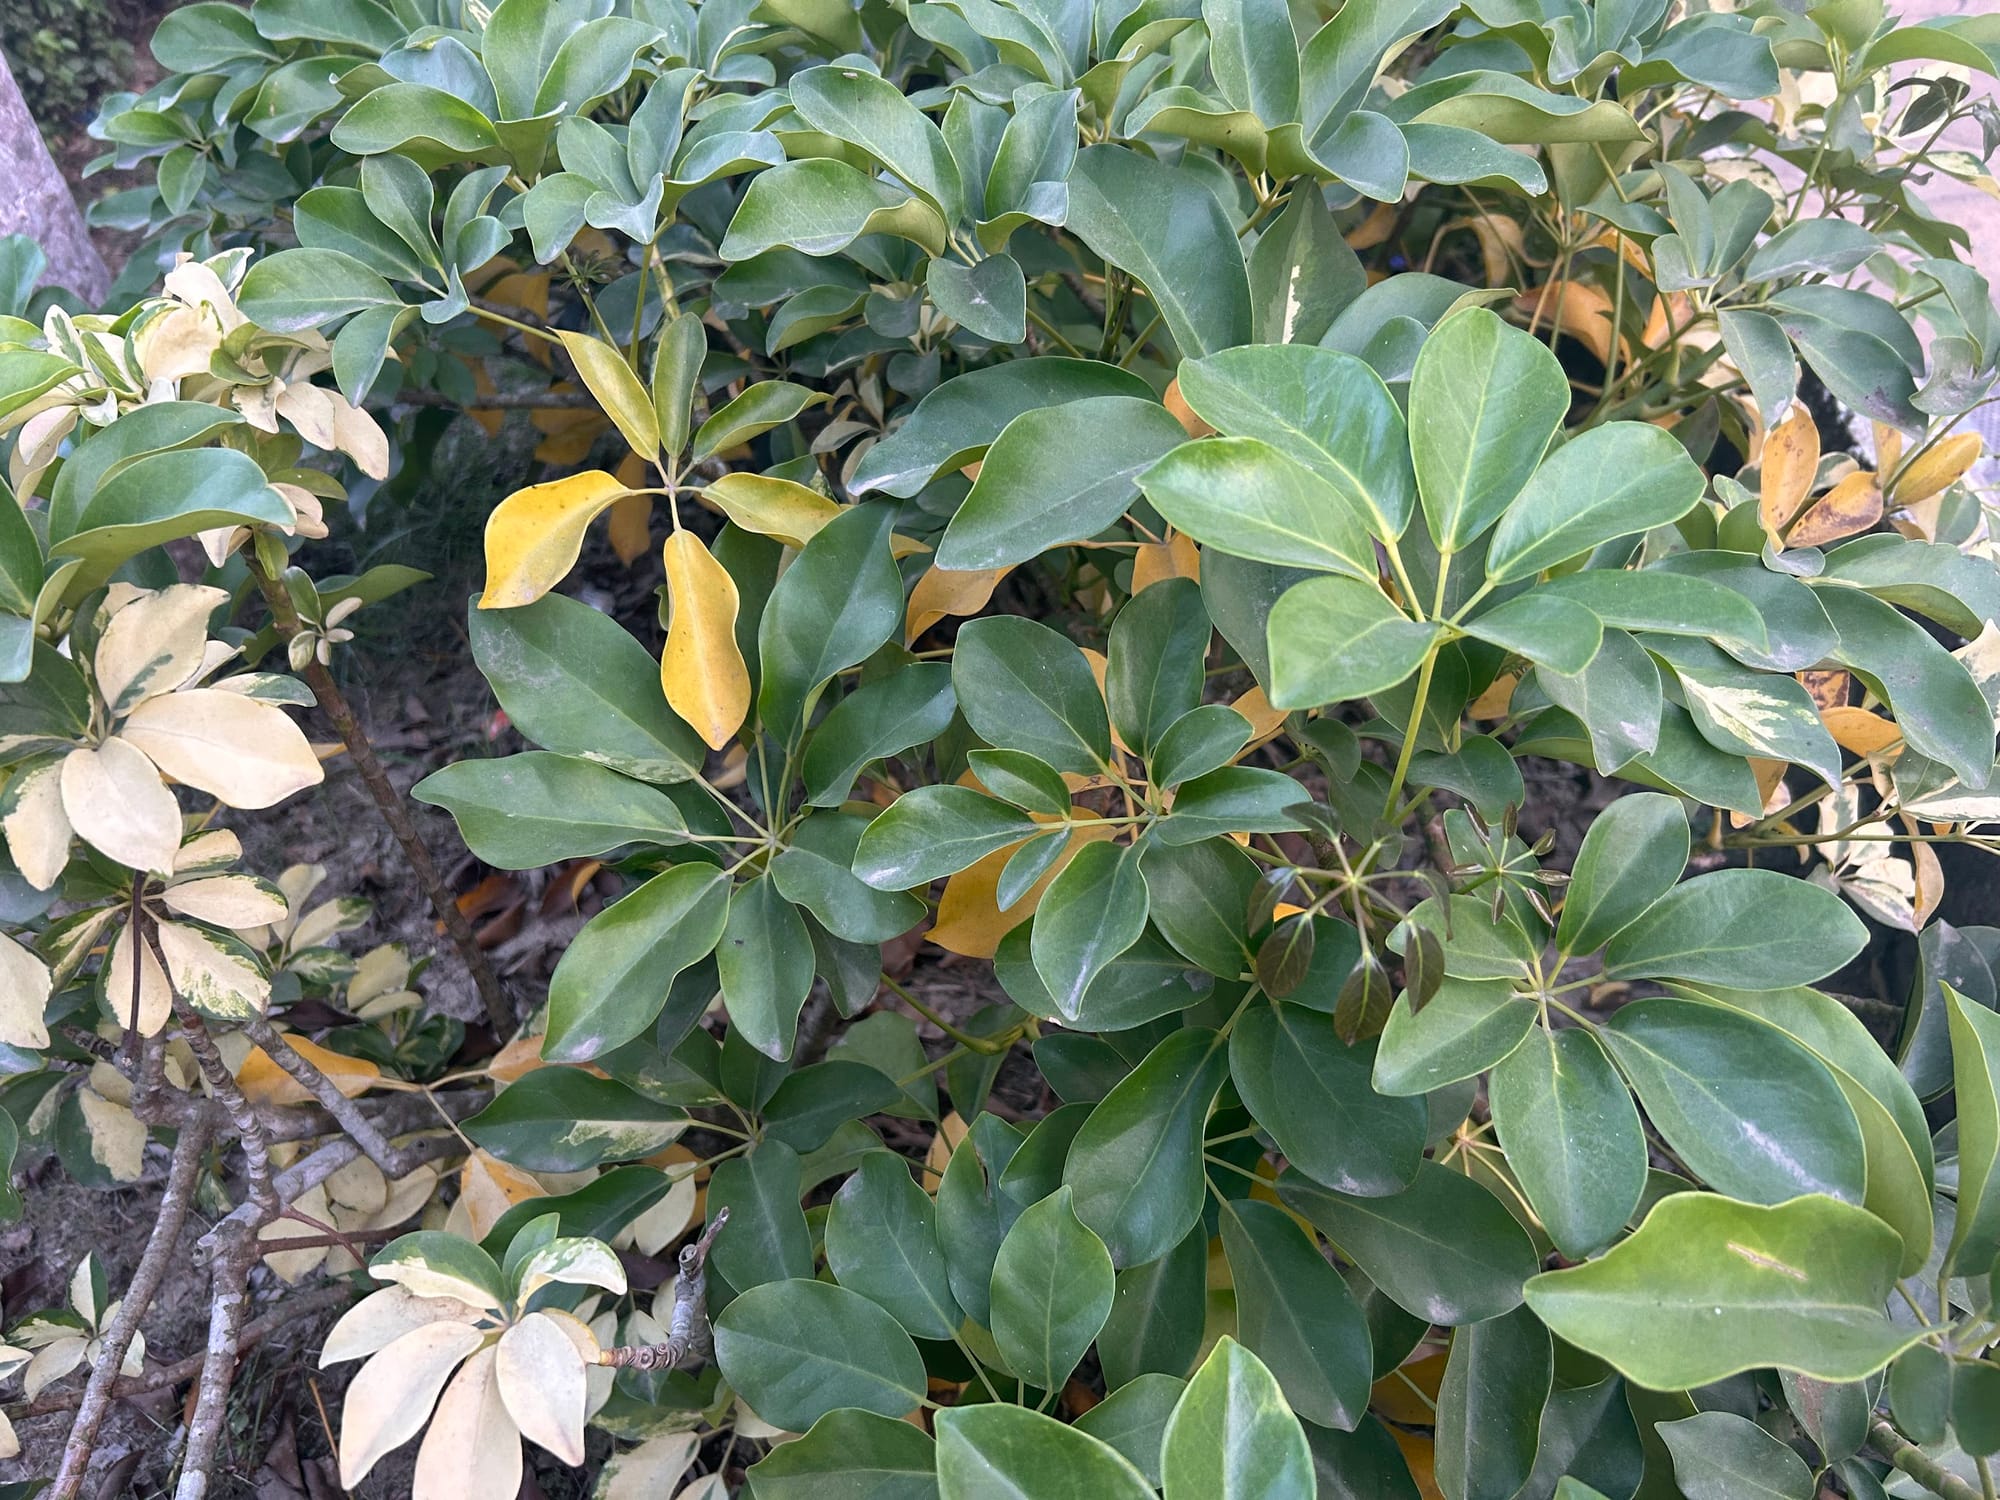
1920, 1466
389, 802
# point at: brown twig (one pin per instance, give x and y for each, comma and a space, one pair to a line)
345, 1111
1919, 1465
689, 1335
94, 1402
389, 802
308, 1173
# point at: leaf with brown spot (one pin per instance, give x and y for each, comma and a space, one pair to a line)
1790, 462
1943, 466
1851, 507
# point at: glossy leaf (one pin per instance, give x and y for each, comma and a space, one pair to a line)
1052, 1290
797, 1350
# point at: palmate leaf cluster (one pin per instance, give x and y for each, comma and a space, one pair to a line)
1135, 484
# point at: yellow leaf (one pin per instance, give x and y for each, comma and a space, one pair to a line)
1265, 720
617, 390
1851, 507
1888, 447
701, 669
1581, 311
571, 432
631, 527
1790, 461
1943, 466
264, 1082
969, 919
772, 507
534, 535
1859, 731
951, 1130
1184, 414
941, 592
1495, 701
1176, 557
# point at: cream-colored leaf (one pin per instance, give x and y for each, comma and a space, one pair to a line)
473, 1447
407, 1197
574, 1262
378, 971
1885, 888
1789, 464
10, 1445
117, 1139
708, 1487
380, 1318
540, 1375
290, 1266
617, 390
208, 853
534, 535
117, 804
662, 1224
395, 1391
36, 827
1929, 882
154, 644
51, 1363
241, 752
701, 669
1981, 657
215, 981
83, 1291
769, 506
24, 997
488, 1187
155, 998
235, 901
358, 1185
361, 438
648, 1471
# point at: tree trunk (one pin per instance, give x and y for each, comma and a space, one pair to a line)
35, 201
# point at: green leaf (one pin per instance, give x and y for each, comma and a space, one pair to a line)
973, 1215
1232, 799
1612, 481
1485, 399
1489, 1407
1154, 670
910, 706
817, 873
1248, 498
850, 1454
821, 206
1022, 779
299, 289
1010, 1453
835, 605
614, 977
796, 1350
1313, 1093
989, 299
1166, 229
1091, 913
1744, 711
573, 681
1664, 603
677, 358
1333, 639
1201, 899
868, 111
1294, 1312
161, 497
1545, 629
813, 1102
765, 961
1566, 1122
1633, 854
521, 812
1133, 1419
1709, 1287
1302, 275
1721, 1456
935, 831
1056, 474
1617, 697
1232, 1437
1157, 1318
1468, 1026
955, 423
1202, 740
1052, 1290
1327, 410
564, 1120
882, 1241
1754, 929
1751, 1111
1975, 1055
1136, 1165
767, 404
1444, 1248
1023, 686
767, 1239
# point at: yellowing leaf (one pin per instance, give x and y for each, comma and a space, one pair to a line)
701, 669
772, 507
1265, 720
534, 535
969, 919
1888, 447
264, 1082
617, 389
1581, 311
951, 1130
1939, 469
941, 592
1176, 557
1859, 731
570, 431
1184, 414
630, 528
1790, 461
1498, 697
1851, 507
